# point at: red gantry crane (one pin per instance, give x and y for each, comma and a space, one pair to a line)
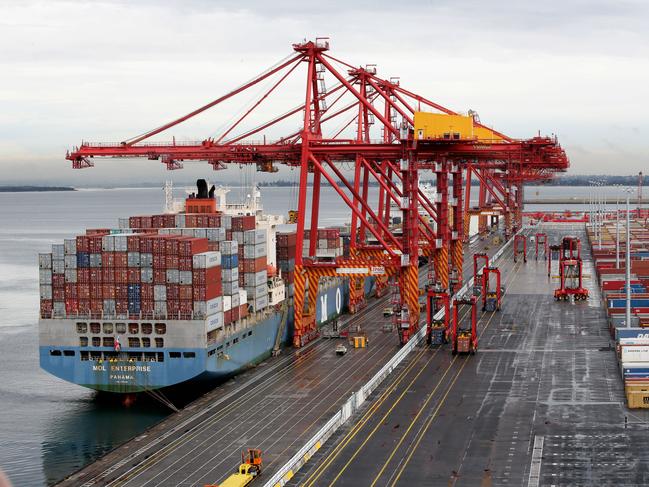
355, 129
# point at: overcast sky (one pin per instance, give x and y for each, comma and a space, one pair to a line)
105, 71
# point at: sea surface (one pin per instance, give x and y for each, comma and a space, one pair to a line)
48, 427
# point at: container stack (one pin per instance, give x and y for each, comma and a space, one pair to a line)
286, 250
329, 243
254, 266
230, 278
632, 339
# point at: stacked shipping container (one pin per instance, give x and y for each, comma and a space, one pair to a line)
286, 249
329, 242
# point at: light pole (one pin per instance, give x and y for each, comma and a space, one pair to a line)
617, 233
601, 216
628, 262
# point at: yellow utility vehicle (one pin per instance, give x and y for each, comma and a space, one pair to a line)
249, 469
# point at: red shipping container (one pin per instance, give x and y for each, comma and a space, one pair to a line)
96, 232
146, 244
95, 290
205, 293
243, 311
212, 246
242, 223
159, 276
58, 280
121, 259
159, 244
83, 244
71, 291
83, 276
146, 292
135, 222
159, 261
185, 263
121, 306
58, 294
185, 292
121, 291
252, 265
242, 280
173, 292
227, 317
108, 259
108, 274
46, 308
213, 221
95, 275
186, 306
83, 291
84, 306
173, 307
234, 312
133, 275
240, 251
121, 276
71, 306
145, 222
286, 253
204, 277
108, 291
96, 305
133, 243
94, 244
171, 245
188, 246
146, 306
287, 239
172, 261
228, 234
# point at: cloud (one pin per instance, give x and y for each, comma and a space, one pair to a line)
108, 70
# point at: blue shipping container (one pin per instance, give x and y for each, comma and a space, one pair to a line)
83, 259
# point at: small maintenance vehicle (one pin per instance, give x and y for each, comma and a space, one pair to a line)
249, 469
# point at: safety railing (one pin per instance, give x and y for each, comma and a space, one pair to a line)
304, 454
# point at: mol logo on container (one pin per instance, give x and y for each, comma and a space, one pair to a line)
324, 315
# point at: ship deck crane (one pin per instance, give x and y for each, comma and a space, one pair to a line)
381, 142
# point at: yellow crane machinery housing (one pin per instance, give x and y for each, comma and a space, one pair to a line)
441, 126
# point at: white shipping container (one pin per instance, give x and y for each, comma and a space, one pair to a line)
58, 251
122, 223
70, 246
146, 275
259, 303
200, 232
45, 276
146, 260
185, 277
109, 306
254, 251
58, 266
58, 307
214, 322
160, 293
226, 222
207, 260
257, 291
228, 247
173, 276
95, 260
255, 279
230, 288
45, 261
160, 307
70, 262
254, 237
71, 275
203, 309
180, 221
243, 296
227, 303
238, 237
234, 300
187, 232
215, 234
229, 275
322, 243
45, 291
634, 353
121, 243
108, 243
133, 259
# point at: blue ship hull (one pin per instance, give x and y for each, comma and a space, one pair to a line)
180, 365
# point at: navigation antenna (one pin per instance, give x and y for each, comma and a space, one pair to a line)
169, 197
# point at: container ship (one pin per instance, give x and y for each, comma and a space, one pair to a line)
197, 293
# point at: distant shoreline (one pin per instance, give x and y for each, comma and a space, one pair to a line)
34, 189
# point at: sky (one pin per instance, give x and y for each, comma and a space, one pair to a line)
109, 70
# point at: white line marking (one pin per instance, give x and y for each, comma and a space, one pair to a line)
535, 467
